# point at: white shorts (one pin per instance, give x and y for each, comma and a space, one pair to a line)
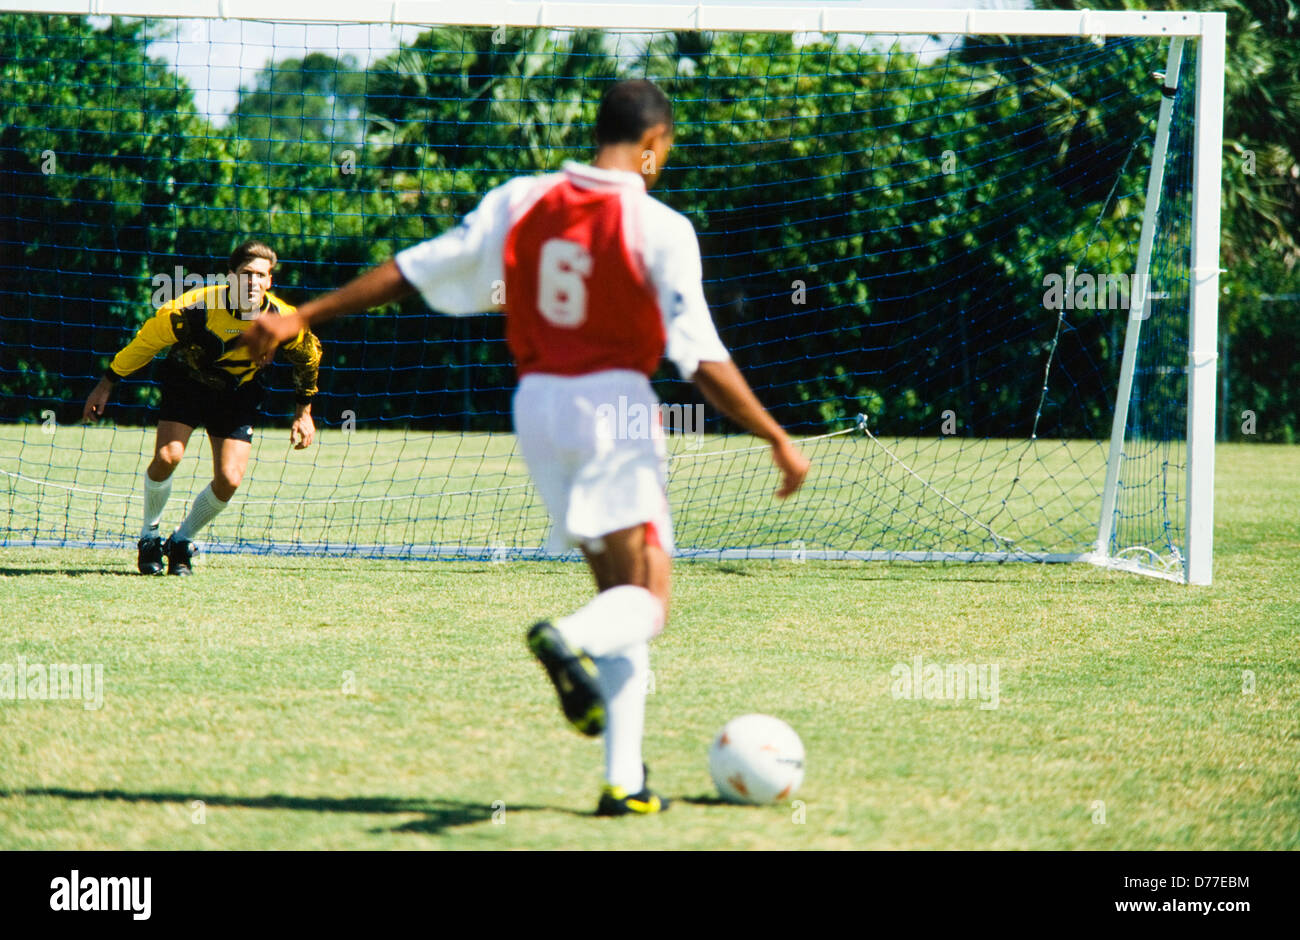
595, 449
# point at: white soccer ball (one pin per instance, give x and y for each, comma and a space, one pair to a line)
756, 759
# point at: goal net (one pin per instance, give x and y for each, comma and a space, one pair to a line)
969, 258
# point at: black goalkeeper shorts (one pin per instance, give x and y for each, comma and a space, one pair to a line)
229, 414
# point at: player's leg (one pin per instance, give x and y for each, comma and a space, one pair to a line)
170, 441
229, 420
633, 575
601, 489
229, 460
169, 447
551, 466
612, 631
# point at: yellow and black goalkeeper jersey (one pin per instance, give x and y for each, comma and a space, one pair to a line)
202, 333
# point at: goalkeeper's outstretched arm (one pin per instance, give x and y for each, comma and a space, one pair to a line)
379, 286
157, 333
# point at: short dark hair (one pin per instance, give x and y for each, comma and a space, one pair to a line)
246, 252
628, 109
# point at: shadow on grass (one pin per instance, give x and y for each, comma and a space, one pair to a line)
438, 814
709, 799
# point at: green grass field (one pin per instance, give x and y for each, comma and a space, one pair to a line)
315, 703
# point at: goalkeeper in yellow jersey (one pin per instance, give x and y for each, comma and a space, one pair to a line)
208, 379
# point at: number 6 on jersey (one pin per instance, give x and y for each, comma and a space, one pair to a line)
561, 291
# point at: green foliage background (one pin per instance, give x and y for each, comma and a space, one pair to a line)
796, 178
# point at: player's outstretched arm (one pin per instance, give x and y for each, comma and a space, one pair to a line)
155, 335
375, 288
726, 389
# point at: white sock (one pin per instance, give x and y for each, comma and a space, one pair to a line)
623, 685
156, 494
613, 620
204, 510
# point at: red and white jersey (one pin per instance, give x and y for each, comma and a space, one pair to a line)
592, 272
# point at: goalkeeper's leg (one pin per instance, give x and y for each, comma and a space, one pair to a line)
229, 460
169, 448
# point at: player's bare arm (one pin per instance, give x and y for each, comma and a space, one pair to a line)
303, 430
726, 389
97, 402
153, 336
304, 352
375, 288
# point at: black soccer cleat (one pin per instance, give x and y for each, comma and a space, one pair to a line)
615, 801
149, 558
179, 555
574, 676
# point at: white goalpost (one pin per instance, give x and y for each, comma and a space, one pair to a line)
919, 194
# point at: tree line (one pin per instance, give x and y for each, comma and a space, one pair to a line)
876, 226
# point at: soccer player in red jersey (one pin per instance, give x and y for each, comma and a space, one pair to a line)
600, 281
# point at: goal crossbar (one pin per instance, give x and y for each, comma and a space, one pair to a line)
746, 17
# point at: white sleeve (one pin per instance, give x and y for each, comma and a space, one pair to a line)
672, 259
462, 271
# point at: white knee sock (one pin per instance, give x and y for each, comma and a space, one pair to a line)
613, 621
204, 510
156, 494
623, 684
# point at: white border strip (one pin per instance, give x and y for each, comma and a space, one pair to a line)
753, 17
505, 554
448, 552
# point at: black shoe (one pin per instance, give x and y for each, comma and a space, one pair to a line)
574, 676
149, 559
179, 554
615, 801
